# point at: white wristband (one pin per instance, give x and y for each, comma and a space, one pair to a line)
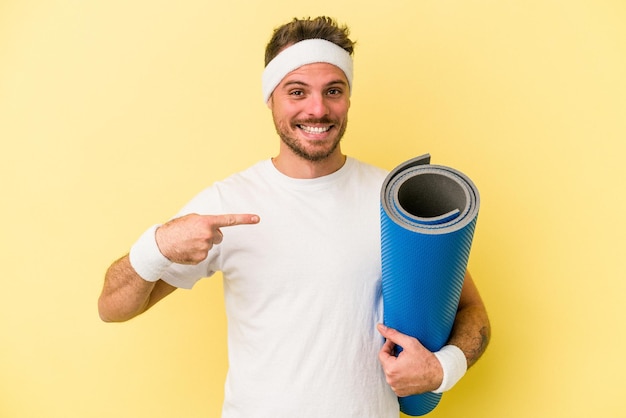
146, 258
454, 365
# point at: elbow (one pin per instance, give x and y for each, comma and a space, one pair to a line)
105, 315
109, 318
102, 311
106, 319
109, 314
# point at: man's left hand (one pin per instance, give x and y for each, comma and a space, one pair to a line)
415, 370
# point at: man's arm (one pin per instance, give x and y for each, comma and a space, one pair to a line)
184, 240
471, 330
416, 369
125, 294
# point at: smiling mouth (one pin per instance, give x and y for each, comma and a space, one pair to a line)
315, 129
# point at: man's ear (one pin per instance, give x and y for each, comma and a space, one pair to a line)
269, 101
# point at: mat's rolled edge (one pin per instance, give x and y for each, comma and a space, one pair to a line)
427, 225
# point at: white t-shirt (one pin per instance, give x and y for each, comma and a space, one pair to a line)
302, 292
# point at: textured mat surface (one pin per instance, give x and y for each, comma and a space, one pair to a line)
428, 217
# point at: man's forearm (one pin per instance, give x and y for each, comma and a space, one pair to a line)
471, 332
124, 294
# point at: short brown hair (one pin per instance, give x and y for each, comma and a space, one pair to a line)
297, 30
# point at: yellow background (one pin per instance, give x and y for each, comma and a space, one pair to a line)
114, 113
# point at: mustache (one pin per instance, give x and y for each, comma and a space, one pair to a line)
312, 121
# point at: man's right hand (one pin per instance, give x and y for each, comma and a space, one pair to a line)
188, 239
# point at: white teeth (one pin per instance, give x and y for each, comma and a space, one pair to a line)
314, 129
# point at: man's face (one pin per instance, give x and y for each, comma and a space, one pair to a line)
310, 110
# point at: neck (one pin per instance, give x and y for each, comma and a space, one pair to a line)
297, 167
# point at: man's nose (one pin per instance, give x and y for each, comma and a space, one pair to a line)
317, 106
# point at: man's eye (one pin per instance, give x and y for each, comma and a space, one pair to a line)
297, 93
334, 92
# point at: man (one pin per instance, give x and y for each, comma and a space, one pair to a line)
297, 239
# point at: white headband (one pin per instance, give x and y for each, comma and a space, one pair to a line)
305, 52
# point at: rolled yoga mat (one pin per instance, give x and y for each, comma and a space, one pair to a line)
428, 216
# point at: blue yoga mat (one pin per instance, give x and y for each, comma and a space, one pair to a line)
428, 217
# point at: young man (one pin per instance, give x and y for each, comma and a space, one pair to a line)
297, 239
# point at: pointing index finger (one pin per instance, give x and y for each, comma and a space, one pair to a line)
235, 219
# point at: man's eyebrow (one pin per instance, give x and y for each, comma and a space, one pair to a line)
295, 82
338, 81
